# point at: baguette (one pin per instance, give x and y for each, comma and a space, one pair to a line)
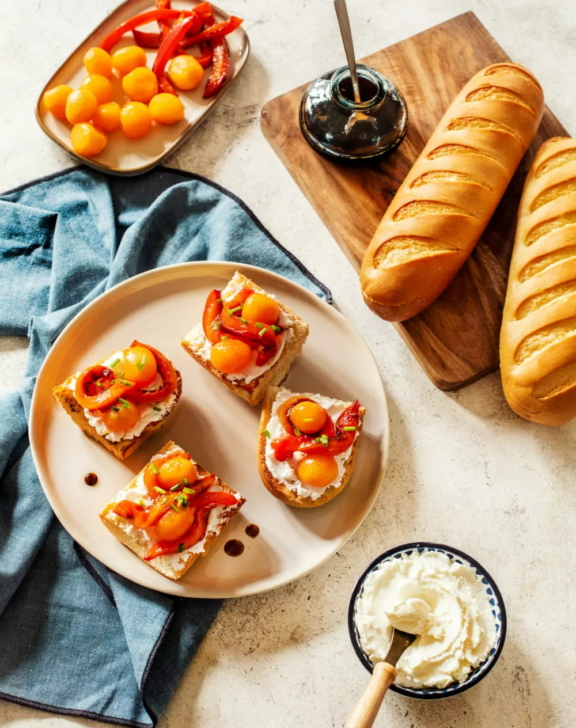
173, 566
448, 197
282, 490
252, 391
538, 337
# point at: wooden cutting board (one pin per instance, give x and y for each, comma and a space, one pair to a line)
456, 338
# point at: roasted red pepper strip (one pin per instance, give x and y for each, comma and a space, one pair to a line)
284, 412
159, 14
213, 498
204, 10
171, 43
210, 322
166, 371
266, 354
220, 68
99, 397
285, 447
205, 57
144, 517
218, 30
163, 25
146, 40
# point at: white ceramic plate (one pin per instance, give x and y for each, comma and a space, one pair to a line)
214, 425
123, 156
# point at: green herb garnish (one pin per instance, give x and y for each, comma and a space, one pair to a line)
159, 490
175, 487
114, 363
154, 469
261, 333
217, 325
238, 308
349, 429
276, 328
185, 481
181, 545
244, 321
116, 409
189, 491
267, 433
174, 508
141, 502
124, 403
99, 384
297, 431
259, 325
157, 409
142, 363
324, 440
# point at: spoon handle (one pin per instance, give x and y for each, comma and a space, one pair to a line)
344, 23
366, 710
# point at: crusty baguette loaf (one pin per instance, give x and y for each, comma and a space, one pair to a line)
279, 489
538, 338
448, 197
254, 391
123, 448
135, 539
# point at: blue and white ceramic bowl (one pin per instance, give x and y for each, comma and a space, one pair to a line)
494, 597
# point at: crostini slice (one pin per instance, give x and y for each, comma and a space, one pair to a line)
122, 399
247, 339
171, 513
307, 445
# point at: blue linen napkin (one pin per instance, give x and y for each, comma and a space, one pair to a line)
76, 638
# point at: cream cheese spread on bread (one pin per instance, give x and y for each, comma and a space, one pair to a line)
202, 347
285, 471
442, 601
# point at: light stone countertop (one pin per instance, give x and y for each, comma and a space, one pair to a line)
464, 470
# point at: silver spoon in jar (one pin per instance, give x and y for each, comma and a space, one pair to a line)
346, 32
383, 675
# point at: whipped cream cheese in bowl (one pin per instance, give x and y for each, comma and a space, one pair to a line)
444, 597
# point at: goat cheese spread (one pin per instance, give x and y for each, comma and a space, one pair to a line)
285, 471
443, 602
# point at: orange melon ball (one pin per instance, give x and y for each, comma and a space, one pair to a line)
87, 140
55, 100
107, 116
81, 106
174, 471
230, 355
135, 119
185, 72
260, 307
166, 109
308, 417
318, 471
98, 61
140, 84
127, 59
100, 87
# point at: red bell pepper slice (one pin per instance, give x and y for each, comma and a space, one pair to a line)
220, 68
213, 498
204, 10
97, 388
206, 54
261, 334
218, 30
163, 25
166, 371
144, 517
146, 40
266, 354
194, 535
171, 43
142, 19
210, 322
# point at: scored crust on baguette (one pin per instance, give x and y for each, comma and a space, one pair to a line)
447, 199
538, 336
254, 391
123, 448
282, 491
175, 566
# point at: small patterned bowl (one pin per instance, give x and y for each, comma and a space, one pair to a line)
498, 612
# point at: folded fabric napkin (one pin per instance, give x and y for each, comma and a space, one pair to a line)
75, 638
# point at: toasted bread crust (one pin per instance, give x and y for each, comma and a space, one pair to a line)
124, 448
139, 546
283, 492
254, 391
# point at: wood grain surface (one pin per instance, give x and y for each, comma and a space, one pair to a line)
456, 338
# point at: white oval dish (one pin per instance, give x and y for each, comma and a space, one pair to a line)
123, 156
218, 428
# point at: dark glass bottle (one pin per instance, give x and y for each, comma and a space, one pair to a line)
335, 125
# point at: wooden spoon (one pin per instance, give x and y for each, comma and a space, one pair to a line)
383, 675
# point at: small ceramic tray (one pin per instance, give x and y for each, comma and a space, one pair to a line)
123, 156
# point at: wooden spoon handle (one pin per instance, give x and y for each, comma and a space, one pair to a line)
366, 710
